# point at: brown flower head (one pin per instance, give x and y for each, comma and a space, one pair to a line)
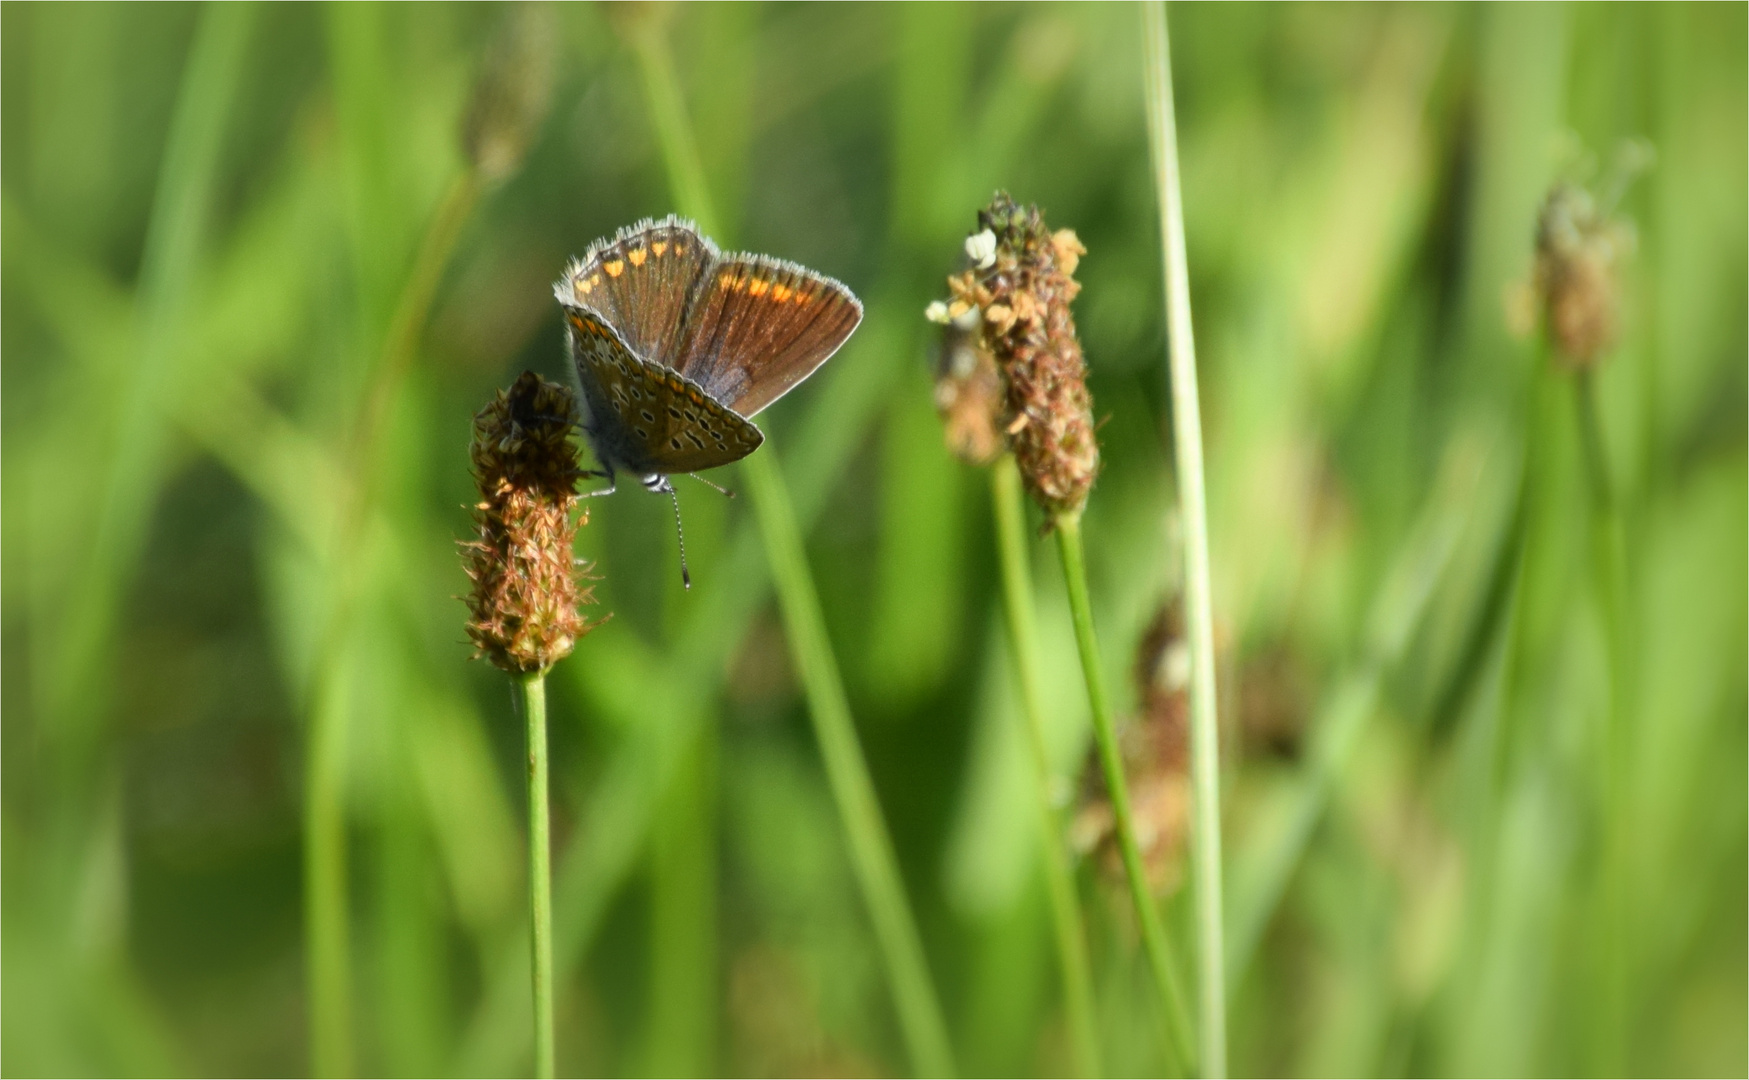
1156, 754
1579, 252
527, 583
1019, 285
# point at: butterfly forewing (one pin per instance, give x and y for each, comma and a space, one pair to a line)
640, 280
757, 326
646, 418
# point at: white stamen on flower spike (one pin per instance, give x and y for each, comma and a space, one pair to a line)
936, 312
981, 249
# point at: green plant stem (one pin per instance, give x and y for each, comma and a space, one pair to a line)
871, 849
540, 874
1609, 566
1177, 1027
1023, 648
1205, 777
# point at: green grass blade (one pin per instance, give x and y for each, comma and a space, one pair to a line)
871, 848
1205, 766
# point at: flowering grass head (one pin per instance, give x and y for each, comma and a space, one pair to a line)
1016, 292
528, 585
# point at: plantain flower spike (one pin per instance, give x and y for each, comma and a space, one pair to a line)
512, 92
968, 391
1015, 293
527, 583
1580, 249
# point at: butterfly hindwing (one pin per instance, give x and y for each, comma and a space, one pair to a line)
756, 326
643, 417
640, 280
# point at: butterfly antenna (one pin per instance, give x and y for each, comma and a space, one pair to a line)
710, 484
685, 575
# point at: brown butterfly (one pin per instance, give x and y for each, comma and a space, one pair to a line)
677, 346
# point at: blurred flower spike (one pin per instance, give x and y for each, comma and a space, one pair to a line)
512, 92
1009, 309
1580, 248
527, 583
1156, 754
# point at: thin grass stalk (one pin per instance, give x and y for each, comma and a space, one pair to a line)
1066, 917
1178, 1038
1205, 775
540, 874
871, 848
1609, 567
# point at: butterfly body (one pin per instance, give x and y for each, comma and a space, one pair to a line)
676, 346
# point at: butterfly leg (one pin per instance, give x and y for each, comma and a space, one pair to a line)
605, 474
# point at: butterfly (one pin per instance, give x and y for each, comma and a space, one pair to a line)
677, 346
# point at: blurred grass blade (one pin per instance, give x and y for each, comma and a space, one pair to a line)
871, 849
870, 846
356, 39
1261, 878
1609, 565
181, 208
1205, 770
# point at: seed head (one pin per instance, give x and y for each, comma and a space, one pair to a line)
527, 583
1579, 250
968, 393
512, 92
1016, 293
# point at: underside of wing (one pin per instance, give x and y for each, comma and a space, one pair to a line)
644, 417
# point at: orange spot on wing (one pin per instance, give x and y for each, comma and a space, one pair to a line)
637, 256
659, 248
582, 287
758, 287
614, 268
780, 293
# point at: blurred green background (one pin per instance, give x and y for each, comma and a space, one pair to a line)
1481, 817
